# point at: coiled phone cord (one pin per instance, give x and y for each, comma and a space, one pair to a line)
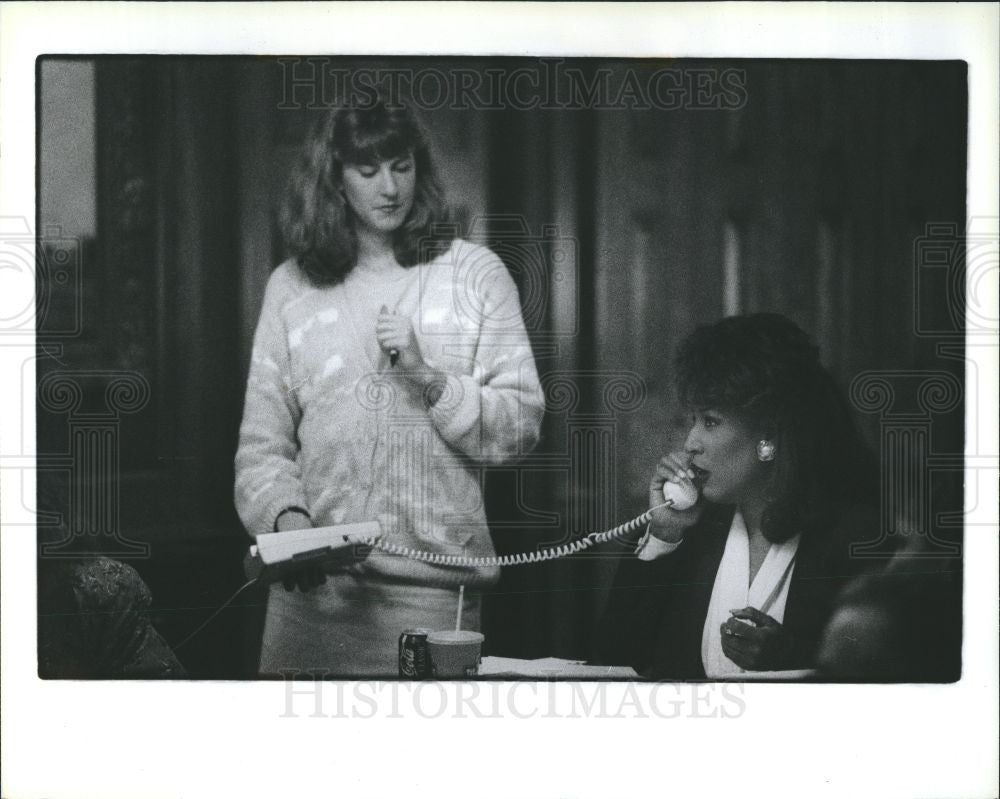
439, 559
538, 556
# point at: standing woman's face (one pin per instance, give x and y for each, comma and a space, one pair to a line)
381, 195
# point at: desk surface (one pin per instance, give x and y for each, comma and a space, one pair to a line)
548, 668
557, 668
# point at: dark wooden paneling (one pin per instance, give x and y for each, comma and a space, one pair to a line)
813, 195
814, 192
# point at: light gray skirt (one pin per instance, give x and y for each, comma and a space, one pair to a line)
350, 626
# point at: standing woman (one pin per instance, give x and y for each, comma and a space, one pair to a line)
389, 363
746, 579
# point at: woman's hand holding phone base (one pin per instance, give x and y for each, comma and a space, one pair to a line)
308, 577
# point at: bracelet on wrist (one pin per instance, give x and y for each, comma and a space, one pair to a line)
290, 509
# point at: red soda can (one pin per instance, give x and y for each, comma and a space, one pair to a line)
414, 657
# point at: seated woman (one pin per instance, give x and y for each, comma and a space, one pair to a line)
745, 580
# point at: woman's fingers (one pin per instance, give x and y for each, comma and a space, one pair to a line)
669, 522
737, 629
743, 649
766, 646
392, 343
309, 580
392, 340
305, 579
395, 335
738, 652
682, 465
751, 614
395, 332
673, 467
387, 321
318, 578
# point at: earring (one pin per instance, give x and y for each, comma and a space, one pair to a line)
765, 450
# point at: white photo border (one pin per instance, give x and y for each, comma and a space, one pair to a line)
136, 739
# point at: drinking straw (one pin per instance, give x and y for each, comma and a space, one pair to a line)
458, 616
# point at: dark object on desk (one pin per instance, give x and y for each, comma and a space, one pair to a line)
904, 625
93, 618
92, 624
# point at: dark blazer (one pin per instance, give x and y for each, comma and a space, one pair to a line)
656, 610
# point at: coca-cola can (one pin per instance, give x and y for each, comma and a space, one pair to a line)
414, 657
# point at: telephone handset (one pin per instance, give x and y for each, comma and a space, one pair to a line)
681, 495
675, 495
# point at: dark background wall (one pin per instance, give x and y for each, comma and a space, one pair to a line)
833, 192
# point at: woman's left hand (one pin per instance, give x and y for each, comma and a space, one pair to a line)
764, 647
395, 332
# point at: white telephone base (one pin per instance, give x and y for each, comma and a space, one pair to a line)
275, 555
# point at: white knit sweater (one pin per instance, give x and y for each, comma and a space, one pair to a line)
327, 428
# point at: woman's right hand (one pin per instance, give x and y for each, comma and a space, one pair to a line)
308, 577
670, 524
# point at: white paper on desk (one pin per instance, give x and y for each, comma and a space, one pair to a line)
791, 674
551, 667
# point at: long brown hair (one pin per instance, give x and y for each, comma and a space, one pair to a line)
317, 223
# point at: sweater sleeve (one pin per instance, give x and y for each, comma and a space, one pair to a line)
495, 413
268, 477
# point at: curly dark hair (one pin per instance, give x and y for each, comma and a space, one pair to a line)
316, 220
763, 368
